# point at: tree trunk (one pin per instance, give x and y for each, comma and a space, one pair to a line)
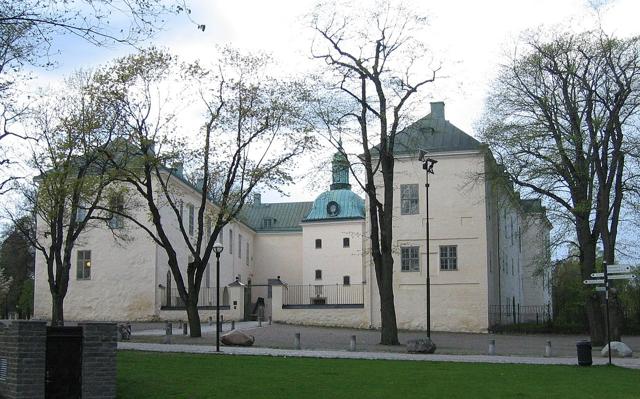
57, 310
389, 328
193, 317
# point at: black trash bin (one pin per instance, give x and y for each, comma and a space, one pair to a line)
584, 353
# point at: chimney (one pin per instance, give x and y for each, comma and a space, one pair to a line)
437, 110
257, 199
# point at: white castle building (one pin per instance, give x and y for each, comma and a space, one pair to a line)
309, 260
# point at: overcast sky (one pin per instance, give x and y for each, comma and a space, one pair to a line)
469, 37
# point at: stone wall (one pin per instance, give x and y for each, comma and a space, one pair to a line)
22, 358
99, 344
318, 316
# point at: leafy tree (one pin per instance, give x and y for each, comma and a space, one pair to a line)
74, 130
17, 260
560, 120
31, 29
252, 132
373, 61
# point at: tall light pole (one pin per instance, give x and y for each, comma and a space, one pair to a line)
217, 248
427, 165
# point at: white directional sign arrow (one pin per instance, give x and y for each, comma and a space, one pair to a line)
622, 276
596, 281
597, 275
618, 268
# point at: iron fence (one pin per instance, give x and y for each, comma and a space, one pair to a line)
516, 314
206, 298
311, 295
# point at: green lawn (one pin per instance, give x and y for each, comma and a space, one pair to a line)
163, 375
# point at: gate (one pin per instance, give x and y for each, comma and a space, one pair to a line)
63, 378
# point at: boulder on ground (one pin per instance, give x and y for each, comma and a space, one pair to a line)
237, 338
421, 345
618, 349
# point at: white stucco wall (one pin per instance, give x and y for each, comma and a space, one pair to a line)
352, 317
332, 259
279, 254
122, 283
457, 216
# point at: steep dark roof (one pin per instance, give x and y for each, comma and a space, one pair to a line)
433, 134
284, 216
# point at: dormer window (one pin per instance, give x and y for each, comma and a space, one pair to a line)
267, 223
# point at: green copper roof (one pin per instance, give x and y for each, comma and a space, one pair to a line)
434, 133
336, 205
275, 217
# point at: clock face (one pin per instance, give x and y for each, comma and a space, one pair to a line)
333, 209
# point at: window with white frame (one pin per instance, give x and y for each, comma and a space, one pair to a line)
246, 254
116, 203
318, 274
83, 265
448, 257
409, 199
192, 214
410, 259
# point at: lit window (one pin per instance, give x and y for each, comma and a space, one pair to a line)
410, 259
448, 257
83, 264
409, 199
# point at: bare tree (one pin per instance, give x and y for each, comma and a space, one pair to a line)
374, 60
559, 119
252, 132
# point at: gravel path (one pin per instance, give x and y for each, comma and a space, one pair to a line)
281, 336
333, 354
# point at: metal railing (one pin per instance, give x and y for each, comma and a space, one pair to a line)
310, 295
206, 298
515, 314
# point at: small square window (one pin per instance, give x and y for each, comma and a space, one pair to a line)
83, 264
318, 274
448, 257
410, 259
346, 280
318, 243
345, 242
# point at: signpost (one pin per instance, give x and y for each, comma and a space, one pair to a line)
611, 272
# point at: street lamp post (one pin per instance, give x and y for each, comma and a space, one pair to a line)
217, 248
427, 165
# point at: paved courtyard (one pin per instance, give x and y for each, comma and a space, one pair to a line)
281, 336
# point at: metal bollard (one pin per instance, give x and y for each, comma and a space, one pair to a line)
547, 349
296, 342
492, 347
168, 331
270, 320
184, 329
352, 344
233, 324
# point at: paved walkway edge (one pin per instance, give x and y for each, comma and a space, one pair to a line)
333, 354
